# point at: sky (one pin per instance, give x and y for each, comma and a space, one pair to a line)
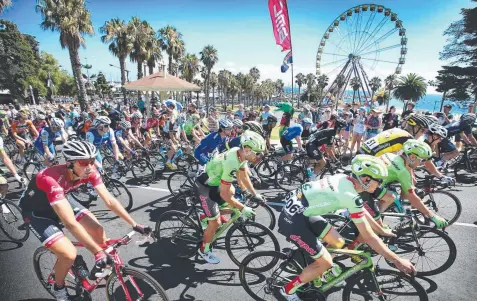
242, 33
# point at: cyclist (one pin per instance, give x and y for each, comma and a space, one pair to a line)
135, 123
147, 125
254, 127
40, 121
416, 124
204, 151
317, 140
123, 135
45, 143
462, 129
192, 129
44, 206
215, 190
271, 123
292, 132
400, 169
237, 128
301, 221
101, 133
20, 128
4, 123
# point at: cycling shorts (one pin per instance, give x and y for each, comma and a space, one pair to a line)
209, 197
287, 145
144, 131
46, 225
446, 146
313, 152
41, 148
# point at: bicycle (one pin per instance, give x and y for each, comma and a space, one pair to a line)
11, 221
131, 283
141, 169
184, 230
363, 280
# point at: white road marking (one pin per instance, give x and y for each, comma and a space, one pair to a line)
149, 188
465, 225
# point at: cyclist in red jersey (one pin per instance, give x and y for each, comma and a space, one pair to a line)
148, 124
44, 205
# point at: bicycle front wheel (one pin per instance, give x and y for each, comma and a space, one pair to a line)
245, 237
392, 285
267, 168
30, 169
139, 286
289, 177
445, 204
178, 180
262, 274
12, 223
177, 231
143, 171
120, 192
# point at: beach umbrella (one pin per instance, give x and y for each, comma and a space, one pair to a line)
178, 105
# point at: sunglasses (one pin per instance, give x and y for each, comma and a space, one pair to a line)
86, 162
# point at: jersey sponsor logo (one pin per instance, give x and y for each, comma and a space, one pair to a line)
303, 244
357, 215
233, 173
53, 189
358, 201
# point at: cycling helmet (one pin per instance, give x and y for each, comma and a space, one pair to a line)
3, 113
306, 121
366, 165
78, 150
468, 118
22, 114
339, 124
100, 120
225, 124
136, 115
57, 122
195, 118
253, 140
438, 129
237, 123
254, 127
418, 120
103, 113
202, 113
272, 119
125, 125
415, 147
431, 119
156, 113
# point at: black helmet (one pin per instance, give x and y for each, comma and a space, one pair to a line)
272, 119
254, 127
418, 120
339, 124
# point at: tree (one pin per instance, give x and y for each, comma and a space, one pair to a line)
18, 61
214, 81
189, 68
4, 4
300, 80
310, 82
224, 78
389, 82
355, 85
322, 82
234, 89
279, 85
255, 73
209, 58
410, 87
247, 86
199, 83
101, 85
115, 32
72, 20
375, 84
340, 83
143, 38
172, 43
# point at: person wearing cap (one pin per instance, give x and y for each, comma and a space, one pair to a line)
390, 119
373, 123
409, 111
306, 113
213, 120
326, 115
239, 114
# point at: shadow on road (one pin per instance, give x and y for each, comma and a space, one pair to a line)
7, 245
428, 284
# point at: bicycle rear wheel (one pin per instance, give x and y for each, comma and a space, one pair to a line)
245, 237
143, 171
263, 273
120, 192
82, 195
158, 161
139, 285
393, 285
12, 223
289, 177
177, 231
178, 180
30, 169
267, 168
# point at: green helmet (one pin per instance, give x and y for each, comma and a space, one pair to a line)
418, 148
3, 113
366, 165
253, 140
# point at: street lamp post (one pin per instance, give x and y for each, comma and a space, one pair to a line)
127, 71
122, 87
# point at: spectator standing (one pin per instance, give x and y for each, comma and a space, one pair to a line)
306, 113
142, 106
390, 119
373, 123
229, 115
240, 112
358, 129
213, 120
409, 111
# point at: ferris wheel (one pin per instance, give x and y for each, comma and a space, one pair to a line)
364, 41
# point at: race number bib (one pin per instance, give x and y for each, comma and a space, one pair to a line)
293, 203
371, 143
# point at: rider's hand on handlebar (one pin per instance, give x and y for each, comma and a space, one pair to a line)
405, 266
447, 180
257, 198
144, 230
247, 211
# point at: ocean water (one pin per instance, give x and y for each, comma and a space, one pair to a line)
430, 102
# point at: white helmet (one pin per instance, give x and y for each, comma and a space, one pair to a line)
125, 124
438, 130
78, 150
101, 120
136, 115
57, 122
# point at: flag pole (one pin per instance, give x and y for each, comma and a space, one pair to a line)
292, 85
291, 49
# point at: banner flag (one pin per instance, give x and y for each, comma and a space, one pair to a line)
286, 62
280, 23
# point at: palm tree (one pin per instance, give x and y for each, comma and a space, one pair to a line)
322, 82
239, 77
172, 43
115, 32
310, 82
389, 83
190, 67
143, 38
300, 80
213, 82
224, 78
72, 20
198, 82
5, 4
234, 89
355, 84
255, 73
155, 55
208, 57
279, 85
375, 84
247, 86
340, 83
410, 87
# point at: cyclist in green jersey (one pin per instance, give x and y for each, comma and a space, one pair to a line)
400, 169
214, 187
192, 129
301, 221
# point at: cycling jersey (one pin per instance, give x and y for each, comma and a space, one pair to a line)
21, 129
189, 126
150, 123
397, 172
321, 137
222, 168
458, 127
235, 142
292, 132
207, 145
46, 137
39, 124
97, 140
389, 141
264, 117
120, 133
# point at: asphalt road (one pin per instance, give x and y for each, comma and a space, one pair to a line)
196, 280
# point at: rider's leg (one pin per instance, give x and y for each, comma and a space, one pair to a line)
386, 201
65, 253
319, 166
93, 227
21, 147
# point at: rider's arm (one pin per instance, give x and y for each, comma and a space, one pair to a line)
227, 192
417, 203
64, 135
4, 130
469, 138
125, 145
114, 144
64, 211
244, 180
8, 163
113, 204
33, 129
132, 137
375, 242
430, 167
298, 141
